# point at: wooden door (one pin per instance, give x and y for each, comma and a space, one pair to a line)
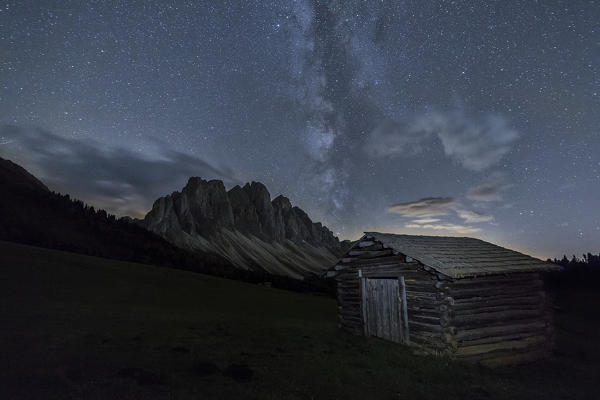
383, 309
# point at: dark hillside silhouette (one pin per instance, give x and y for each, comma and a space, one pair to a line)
32, 214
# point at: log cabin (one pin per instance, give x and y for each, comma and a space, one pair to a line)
453, 296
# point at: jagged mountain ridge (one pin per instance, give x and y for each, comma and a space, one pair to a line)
245, 226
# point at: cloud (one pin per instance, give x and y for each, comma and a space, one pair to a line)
390, 139
452, 228
426, 213
473, 217
492, 189
474, 143
425, 208
426, 220
120, 180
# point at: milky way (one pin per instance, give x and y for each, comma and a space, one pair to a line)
449, 118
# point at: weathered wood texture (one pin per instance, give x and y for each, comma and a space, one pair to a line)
494, 320
349, 302
383, 311
499, 320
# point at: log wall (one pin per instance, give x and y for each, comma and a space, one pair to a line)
499, 320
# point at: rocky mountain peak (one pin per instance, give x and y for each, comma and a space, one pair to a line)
242, 225
282, 203
204, 209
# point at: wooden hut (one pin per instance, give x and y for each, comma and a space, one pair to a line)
455, 296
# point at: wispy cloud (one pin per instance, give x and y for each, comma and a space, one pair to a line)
393, 139
492, 189
426, 220
425, 208
429, 214
450, 228
118, 179
475, 143
471, 217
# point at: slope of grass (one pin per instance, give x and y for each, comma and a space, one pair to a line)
81, 327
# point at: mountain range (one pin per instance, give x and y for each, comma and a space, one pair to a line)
240, 233
246, 227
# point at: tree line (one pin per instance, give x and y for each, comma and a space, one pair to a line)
579, 271
588, 260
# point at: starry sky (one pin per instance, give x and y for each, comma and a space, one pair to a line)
424, 117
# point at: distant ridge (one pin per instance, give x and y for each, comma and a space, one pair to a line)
246, 227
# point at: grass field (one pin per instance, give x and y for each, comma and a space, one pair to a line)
81, 327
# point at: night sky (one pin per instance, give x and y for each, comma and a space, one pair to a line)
447, 118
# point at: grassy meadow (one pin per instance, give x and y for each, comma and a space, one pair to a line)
79, 327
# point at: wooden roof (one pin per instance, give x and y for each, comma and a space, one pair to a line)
461, 257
